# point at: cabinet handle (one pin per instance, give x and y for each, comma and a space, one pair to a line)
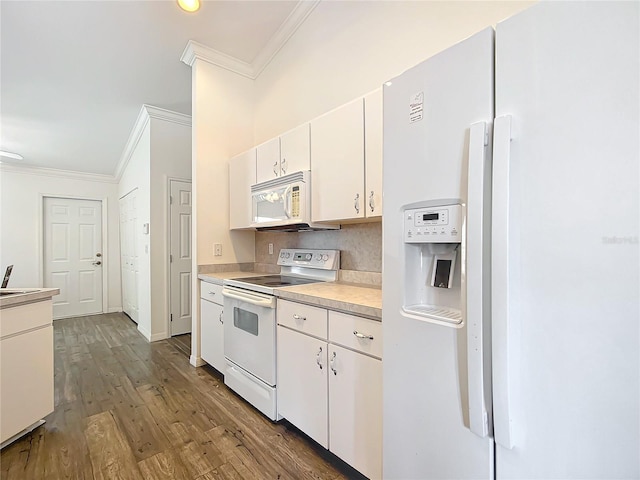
318, 359
332, 363
362, 335
283, 166
275, 169
372, 205
220, 317
356, 203
298, 317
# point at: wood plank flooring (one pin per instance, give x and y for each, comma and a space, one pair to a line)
127, 409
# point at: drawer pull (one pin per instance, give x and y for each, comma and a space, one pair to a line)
332, 364
318, 359
220, 318
362, 335
298, 317
212, 293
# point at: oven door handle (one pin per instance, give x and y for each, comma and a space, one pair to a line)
258, 299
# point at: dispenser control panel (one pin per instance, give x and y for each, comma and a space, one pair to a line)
442, 224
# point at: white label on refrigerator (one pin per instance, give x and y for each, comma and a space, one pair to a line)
416, 106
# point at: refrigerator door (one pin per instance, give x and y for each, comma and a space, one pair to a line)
428, 114
566, 365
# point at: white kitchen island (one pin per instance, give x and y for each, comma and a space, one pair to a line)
26, 360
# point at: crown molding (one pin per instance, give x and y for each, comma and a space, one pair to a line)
196, 51
296, 18
54, 172
147, 112
167, 115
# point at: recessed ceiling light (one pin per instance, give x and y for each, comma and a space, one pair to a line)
189, 5
15, 156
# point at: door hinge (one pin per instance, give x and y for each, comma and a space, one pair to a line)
170, 200
171, 317
170, 258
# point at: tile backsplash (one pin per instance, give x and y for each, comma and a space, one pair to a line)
360, 245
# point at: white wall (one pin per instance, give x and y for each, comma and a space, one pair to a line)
162, 151
21, 232
170, 158
222, 122
346, 49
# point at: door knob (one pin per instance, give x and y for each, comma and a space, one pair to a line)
97, 263
98, 255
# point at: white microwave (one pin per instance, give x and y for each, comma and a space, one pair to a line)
284, 203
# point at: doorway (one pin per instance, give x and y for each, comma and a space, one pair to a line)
73, 256
180, 256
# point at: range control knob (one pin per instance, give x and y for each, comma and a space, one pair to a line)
307, 256
287, 255
325, 257
281, 254
318, 256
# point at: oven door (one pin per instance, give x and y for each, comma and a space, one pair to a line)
250, 332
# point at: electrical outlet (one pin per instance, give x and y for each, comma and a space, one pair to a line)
217, 249
271, 249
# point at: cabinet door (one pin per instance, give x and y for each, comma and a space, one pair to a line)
242, 174
373, 153
337, 156
302, 383
268, 160
295, 150
212, 334
355, 403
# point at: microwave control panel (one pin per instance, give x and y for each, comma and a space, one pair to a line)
295, 201
442, 224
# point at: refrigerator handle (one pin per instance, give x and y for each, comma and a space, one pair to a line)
501, 330
476, 278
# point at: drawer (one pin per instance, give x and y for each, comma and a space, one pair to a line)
303, 318
354, 332
211, 292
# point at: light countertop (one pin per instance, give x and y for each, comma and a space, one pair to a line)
26, 295
359, 299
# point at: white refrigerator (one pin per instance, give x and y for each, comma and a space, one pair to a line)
511, 292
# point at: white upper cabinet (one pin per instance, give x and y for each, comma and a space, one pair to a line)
268, 160
337, 157
373, 153
242, 174
288, 153
295, 150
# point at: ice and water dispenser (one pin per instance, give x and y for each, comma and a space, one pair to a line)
433, 245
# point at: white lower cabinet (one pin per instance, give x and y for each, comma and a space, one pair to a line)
212, 325
355, 410
332, 393
302, 383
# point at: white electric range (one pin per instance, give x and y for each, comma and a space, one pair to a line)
250, 322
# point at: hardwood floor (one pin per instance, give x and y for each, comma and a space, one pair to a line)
128, 409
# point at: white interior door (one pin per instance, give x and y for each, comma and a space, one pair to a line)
129, 254
180, 256
73, 258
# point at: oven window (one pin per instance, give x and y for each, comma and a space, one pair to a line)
244, 320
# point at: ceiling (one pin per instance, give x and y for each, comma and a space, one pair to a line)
75, 74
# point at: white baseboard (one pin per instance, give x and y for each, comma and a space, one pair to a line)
144, 333
114, 310
159, 336
196, 361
